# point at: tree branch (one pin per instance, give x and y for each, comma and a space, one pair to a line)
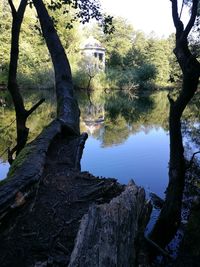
7, 126
176, 19
156, 246
12, 7
171, 101
192, 158
181, 9
21, 8
192, 18
30, 111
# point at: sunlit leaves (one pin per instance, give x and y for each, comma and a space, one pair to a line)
84, 11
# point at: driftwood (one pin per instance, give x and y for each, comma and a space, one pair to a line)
108, 232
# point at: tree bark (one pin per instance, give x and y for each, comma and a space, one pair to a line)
22, 131
170, 216
67, 107
28, 168
21, 113
108, 233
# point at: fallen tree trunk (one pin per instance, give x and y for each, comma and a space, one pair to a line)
28, 167
45, 196
108, 233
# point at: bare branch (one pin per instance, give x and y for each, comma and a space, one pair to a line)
12, 7
161, 250
171, 101
192, 159
175, 15
7, 126
22, 7
181, 9
192, 18
30, 111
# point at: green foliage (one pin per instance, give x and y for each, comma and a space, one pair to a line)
5, 28
124, 113
145, 73
132, 58
81, 79
119, 42
158, 54
36, 122
175, 74
19, 160
83, 11
131, 78
137, 54
135, 59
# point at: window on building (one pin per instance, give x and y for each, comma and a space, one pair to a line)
100, 56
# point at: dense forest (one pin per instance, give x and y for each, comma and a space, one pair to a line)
132, 58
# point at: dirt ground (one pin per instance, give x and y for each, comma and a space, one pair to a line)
43, 231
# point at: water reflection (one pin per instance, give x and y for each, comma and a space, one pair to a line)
142, 157
4, 167
128, 137
128, 134
36, 122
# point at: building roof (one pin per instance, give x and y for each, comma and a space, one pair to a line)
92, 43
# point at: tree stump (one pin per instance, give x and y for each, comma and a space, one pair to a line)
108, 233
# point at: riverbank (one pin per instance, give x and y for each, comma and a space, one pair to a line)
41, 213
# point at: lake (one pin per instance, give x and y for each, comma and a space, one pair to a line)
143, 157
128, 135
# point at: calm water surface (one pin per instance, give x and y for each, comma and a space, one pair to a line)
128, 136
4, 167
143, 157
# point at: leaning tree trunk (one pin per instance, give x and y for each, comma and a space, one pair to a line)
170, 216
67, 107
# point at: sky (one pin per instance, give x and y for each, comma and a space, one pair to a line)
145, 15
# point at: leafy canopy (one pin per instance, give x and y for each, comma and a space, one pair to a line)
84, 11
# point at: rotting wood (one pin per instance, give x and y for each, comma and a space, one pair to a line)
108, 232
56, 210
62, 196
27, 170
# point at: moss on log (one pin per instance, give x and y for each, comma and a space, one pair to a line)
27, 168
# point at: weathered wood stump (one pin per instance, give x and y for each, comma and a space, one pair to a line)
108, 233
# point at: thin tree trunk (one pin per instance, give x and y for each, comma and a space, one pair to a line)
67, 107
21, 113
170, 216
22, 131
